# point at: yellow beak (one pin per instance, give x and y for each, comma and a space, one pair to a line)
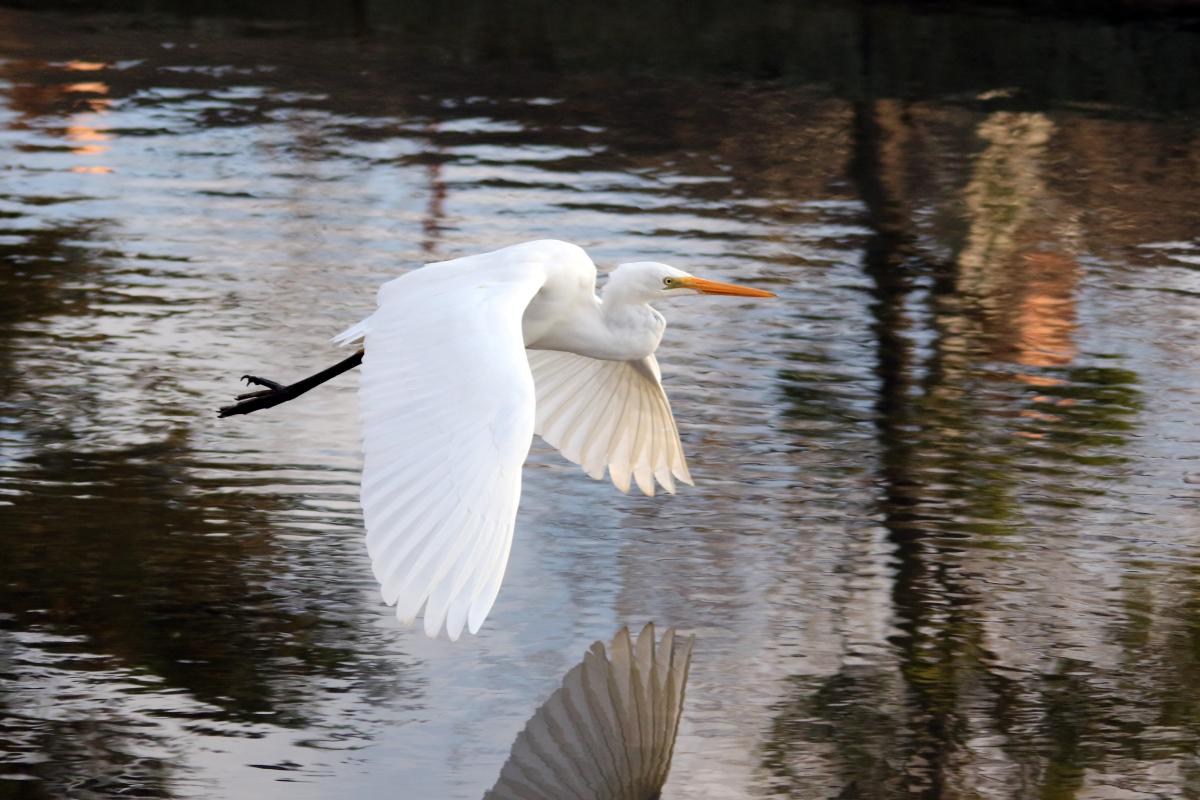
706, 286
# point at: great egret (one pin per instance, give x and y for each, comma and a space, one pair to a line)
463, 362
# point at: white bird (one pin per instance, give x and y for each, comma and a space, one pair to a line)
463, 362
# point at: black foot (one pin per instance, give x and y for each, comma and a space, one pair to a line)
277, 393
273, 395
254, 380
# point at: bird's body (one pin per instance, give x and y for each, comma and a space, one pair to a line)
464, 361
566, 315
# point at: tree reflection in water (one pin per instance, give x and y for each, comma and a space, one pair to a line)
961, 436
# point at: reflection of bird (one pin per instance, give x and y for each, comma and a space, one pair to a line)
609, 732
463, 362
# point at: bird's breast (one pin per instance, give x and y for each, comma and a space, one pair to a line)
544, 314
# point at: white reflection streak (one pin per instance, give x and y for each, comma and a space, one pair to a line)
609, 731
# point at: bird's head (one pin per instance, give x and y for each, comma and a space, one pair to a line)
644, 281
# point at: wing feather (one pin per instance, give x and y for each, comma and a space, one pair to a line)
609, 414
643, 475
447, 404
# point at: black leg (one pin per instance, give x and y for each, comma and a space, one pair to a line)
277, 393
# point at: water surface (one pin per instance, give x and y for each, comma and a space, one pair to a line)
944, 540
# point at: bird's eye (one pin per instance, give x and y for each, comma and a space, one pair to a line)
667, 282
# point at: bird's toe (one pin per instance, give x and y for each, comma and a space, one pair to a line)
255, 380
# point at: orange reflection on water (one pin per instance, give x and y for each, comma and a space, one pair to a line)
84, 133
1024, 288
1045, 314
85, 66
82, 130
1040, 416
88, 136
92, 170
1042, 380
92, 87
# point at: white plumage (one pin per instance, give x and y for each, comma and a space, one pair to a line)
610, 414
464, 361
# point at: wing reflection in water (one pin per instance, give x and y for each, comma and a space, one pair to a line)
609, 731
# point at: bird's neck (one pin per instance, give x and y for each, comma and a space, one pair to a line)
614, 330
631, 329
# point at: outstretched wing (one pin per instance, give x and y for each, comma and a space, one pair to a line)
447, 404
611, 414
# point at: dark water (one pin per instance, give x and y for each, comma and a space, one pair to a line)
945, 538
